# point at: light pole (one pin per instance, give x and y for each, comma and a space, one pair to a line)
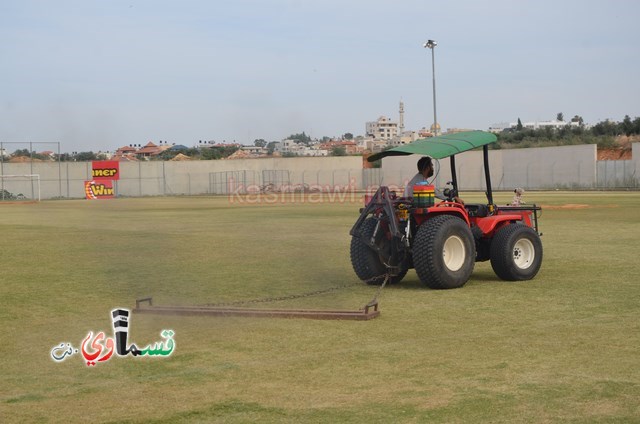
431, 44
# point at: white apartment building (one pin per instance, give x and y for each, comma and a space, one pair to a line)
545, 124
287, 145
499, 127
535, 125
383, 129
290, 146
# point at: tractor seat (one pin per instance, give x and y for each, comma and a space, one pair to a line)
478, 210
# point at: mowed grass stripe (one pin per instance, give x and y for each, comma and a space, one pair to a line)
563, 347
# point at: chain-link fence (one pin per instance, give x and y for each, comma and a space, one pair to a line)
286, 181
227, 182
617, 174
528, 168
549, 168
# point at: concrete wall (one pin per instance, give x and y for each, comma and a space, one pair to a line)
618, 173
66, 179
565, 167
536, 168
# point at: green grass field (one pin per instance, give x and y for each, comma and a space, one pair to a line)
564, 347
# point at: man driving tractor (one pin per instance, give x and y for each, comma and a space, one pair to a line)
425, 171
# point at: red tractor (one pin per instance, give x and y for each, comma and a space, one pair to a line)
442, 241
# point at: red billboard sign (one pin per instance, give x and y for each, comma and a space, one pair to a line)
105, 170
99, 189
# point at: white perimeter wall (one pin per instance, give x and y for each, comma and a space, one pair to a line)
565, 167
535, 168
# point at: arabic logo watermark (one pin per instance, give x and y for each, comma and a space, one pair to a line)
101, 348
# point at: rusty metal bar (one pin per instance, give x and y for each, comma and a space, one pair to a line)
369, 312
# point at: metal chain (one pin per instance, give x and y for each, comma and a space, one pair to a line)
374, 300
279, 298
303, 295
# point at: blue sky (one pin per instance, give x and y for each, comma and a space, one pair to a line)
97, 75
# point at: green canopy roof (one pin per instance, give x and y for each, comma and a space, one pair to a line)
441, 146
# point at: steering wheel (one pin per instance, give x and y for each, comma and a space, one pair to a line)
450, 194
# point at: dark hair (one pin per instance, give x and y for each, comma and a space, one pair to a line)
423, 163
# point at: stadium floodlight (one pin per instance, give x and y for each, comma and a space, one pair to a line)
431, 44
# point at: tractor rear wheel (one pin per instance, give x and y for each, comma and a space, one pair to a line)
516, 253
444, 252
366, 262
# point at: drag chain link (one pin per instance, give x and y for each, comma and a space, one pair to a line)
373, 301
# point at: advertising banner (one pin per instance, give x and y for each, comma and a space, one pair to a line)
99, 189
105, 170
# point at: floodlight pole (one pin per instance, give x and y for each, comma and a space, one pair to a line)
431, 44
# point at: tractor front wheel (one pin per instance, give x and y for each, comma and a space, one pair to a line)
444, 252
367, 262
516, 253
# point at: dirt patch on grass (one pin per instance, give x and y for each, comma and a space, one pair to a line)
577, 206
567, 206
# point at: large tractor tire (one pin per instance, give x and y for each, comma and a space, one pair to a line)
516, 253
444, 252
366, 262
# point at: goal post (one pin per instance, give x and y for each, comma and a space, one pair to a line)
20, 187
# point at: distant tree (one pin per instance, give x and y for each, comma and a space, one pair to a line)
192, 152
579, 130
338, 151
32, 155
519, 126
85, 156
218, 152
578, 119
22, 152
168, 154
605, 128
603, 134
271, 146
560, 117
301, 138
325, 139
627, 126
209, 154
636, 126
260, 142
348, 136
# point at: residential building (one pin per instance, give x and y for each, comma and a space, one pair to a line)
254, 150
406, 138
535, 125
150, 149
299, 149
499, 127
285, 146
384, 128
370, 144
350, 147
